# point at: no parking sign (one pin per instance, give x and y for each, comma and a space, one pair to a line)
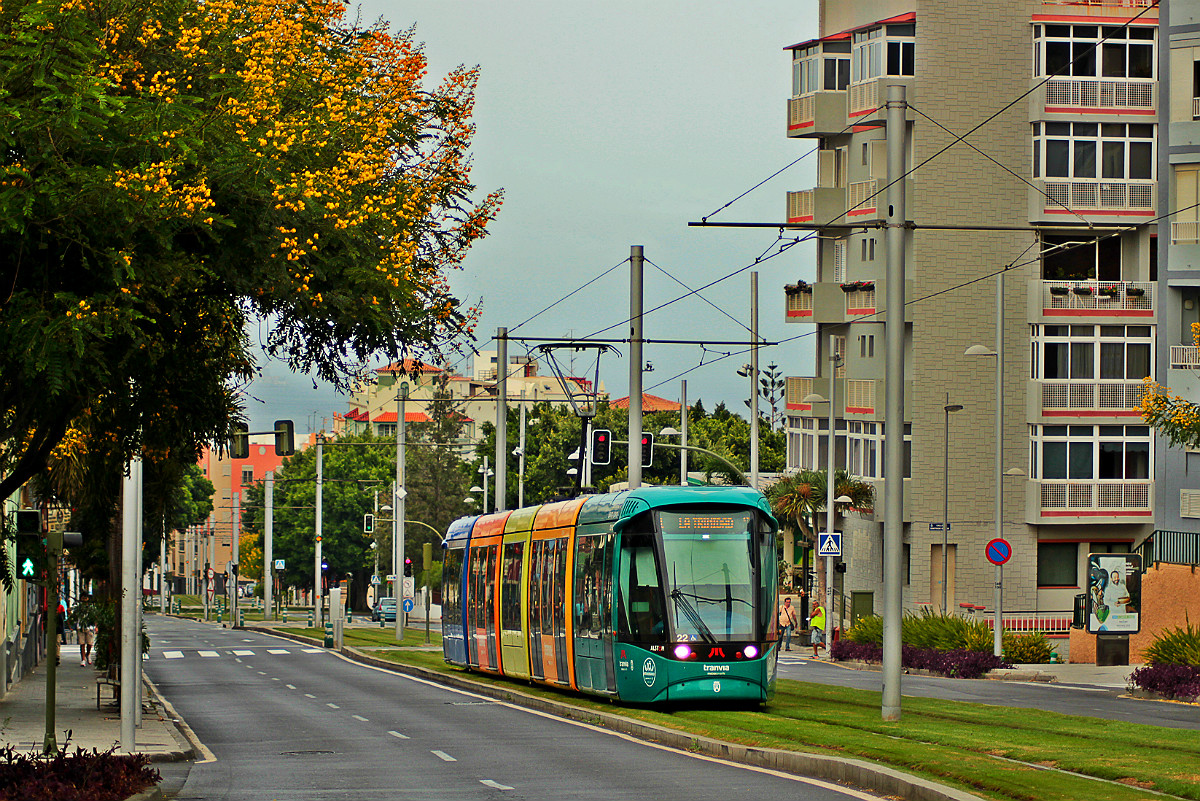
998, 551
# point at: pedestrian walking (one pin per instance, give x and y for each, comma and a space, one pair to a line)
87, 638
816, 624
787, 622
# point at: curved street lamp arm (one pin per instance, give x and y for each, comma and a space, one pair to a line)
736, 471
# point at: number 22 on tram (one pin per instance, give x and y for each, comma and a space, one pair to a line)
659, 594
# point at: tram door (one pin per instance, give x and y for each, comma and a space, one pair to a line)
593, 631
481, 623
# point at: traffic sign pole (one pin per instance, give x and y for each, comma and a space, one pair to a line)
998, 551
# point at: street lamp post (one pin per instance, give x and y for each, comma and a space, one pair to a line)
672, 432
948, 408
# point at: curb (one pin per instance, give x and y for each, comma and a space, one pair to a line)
999, 674
182, 730
872, 777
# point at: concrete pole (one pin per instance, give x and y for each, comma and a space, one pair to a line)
501, 418
683, 431
237, 552
268, 544
635, 368
894, 334
129, 557
162, 571
319, 609
398, 509
754, 379
137, 607
831, 487
521, 458
945, 504
998, 624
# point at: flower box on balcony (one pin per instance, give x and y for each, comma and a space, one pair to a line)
1082, 290
850, 287
1108, 291
798, 288
866, 286
1134, 291
1059, 290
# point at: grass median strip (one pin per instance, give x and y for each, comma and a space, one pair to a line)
994, 752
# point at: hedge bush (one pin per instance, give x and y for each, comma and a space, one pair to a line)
1031, 648
957, 663
1177, 646
78, 776
928, 630
1181, 682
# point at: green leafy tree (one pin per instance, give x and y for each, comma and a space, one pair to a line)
174, 170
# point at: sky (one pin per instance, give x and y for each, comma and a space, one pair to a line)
609, 125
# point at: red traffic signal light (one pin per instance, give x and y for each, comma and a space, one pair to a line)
601, 452
647, 449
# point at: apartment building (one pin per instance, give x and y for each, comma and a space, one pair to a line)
1057, 190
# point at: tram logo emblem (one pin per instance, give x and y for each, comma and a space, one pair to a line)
649, 671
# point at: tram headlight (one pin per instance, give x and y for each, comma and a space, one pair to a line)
751, 651
682, 651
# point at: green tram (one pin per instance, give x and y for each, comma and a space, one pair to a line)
659, 594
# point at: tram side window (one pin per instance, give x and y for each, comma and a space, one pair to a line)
643, 617
489, 589
560, 588
537, 558
475, 578
590, 587
510, 594
451, 586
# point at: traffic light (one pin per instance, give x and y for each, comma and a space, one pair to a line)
239, 442
31, 548
368, 523
647, 449
840, 567
407, 566
285, 438
601, 452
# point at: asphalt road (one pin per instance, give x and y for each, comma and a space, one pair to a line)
1097, 702
287, 721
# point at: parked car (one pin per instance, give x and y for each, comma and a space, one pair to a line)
384, 609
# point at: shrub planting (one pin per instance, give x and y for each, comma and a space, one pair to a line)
957, 663
1176, 646
1031, 648
1181, 682
78, 776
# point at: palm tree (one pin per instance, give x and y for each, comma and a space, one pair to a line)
797, 501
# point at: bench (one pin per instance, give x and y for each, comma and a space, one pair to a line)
109, 679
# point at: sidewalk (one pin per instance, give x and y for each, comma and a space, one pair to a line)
23, 715
1114, 677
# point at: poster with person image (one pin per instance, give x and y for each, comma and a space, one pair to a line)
1114, 593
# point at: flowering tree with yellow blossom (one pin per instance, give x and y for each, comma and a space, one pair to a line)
1173, 416
173, 172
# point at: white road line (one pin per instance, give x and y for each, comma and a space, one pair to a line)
360, 717
243, 653
172, 654
309, 695
333, 706
312, 650
278, 651
209, 654
274, 678
290, 686
262, 672
398, 735
442, 755
494, 785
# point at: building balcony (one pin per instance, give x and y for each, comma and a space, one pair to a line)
1183, 375
867, 101
818, 114
857, 398
1090, 501
1068, 200
1103, 299
824, 204
1185, 233
1185, 357
839, 303
1061, 398
1111, 98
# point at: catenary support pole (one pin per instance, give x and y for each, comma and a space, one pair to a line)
137, 607
129, 557
683, 432
318, 574
502, 418
521, 458
831, 487
635, 367
269, 545
754, 379
237, 553
894, 334
998, 467
398, 509
162, 570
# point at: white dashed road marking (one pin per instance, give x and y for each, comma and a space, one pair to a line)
359, 717
172, 654
277, 651
243, 653
309, 695
494, 785
398, 735
207, 653
312, 650
442, 755
333, 706
291, 686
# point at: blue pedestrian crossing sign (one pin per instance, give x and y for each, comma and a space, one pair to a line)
829, 543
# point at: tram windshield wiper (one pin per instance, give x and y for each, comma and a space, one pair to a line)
689, 611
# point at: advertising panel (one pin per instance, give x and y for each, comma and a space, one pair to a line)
1114, 593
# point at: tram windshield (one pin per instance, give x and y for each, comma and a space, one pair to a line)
712, 564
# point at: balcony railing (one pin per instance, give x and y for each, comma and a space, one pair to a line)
860, 396
1097, 497
1116, 3
1186, 232
1117, 397
1196, 108
861, 301
1131, 196
800, 205
1082, 298
797, 390
799, 304
801, 110
864, 97
1185, 357
1137, 96
863, 197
